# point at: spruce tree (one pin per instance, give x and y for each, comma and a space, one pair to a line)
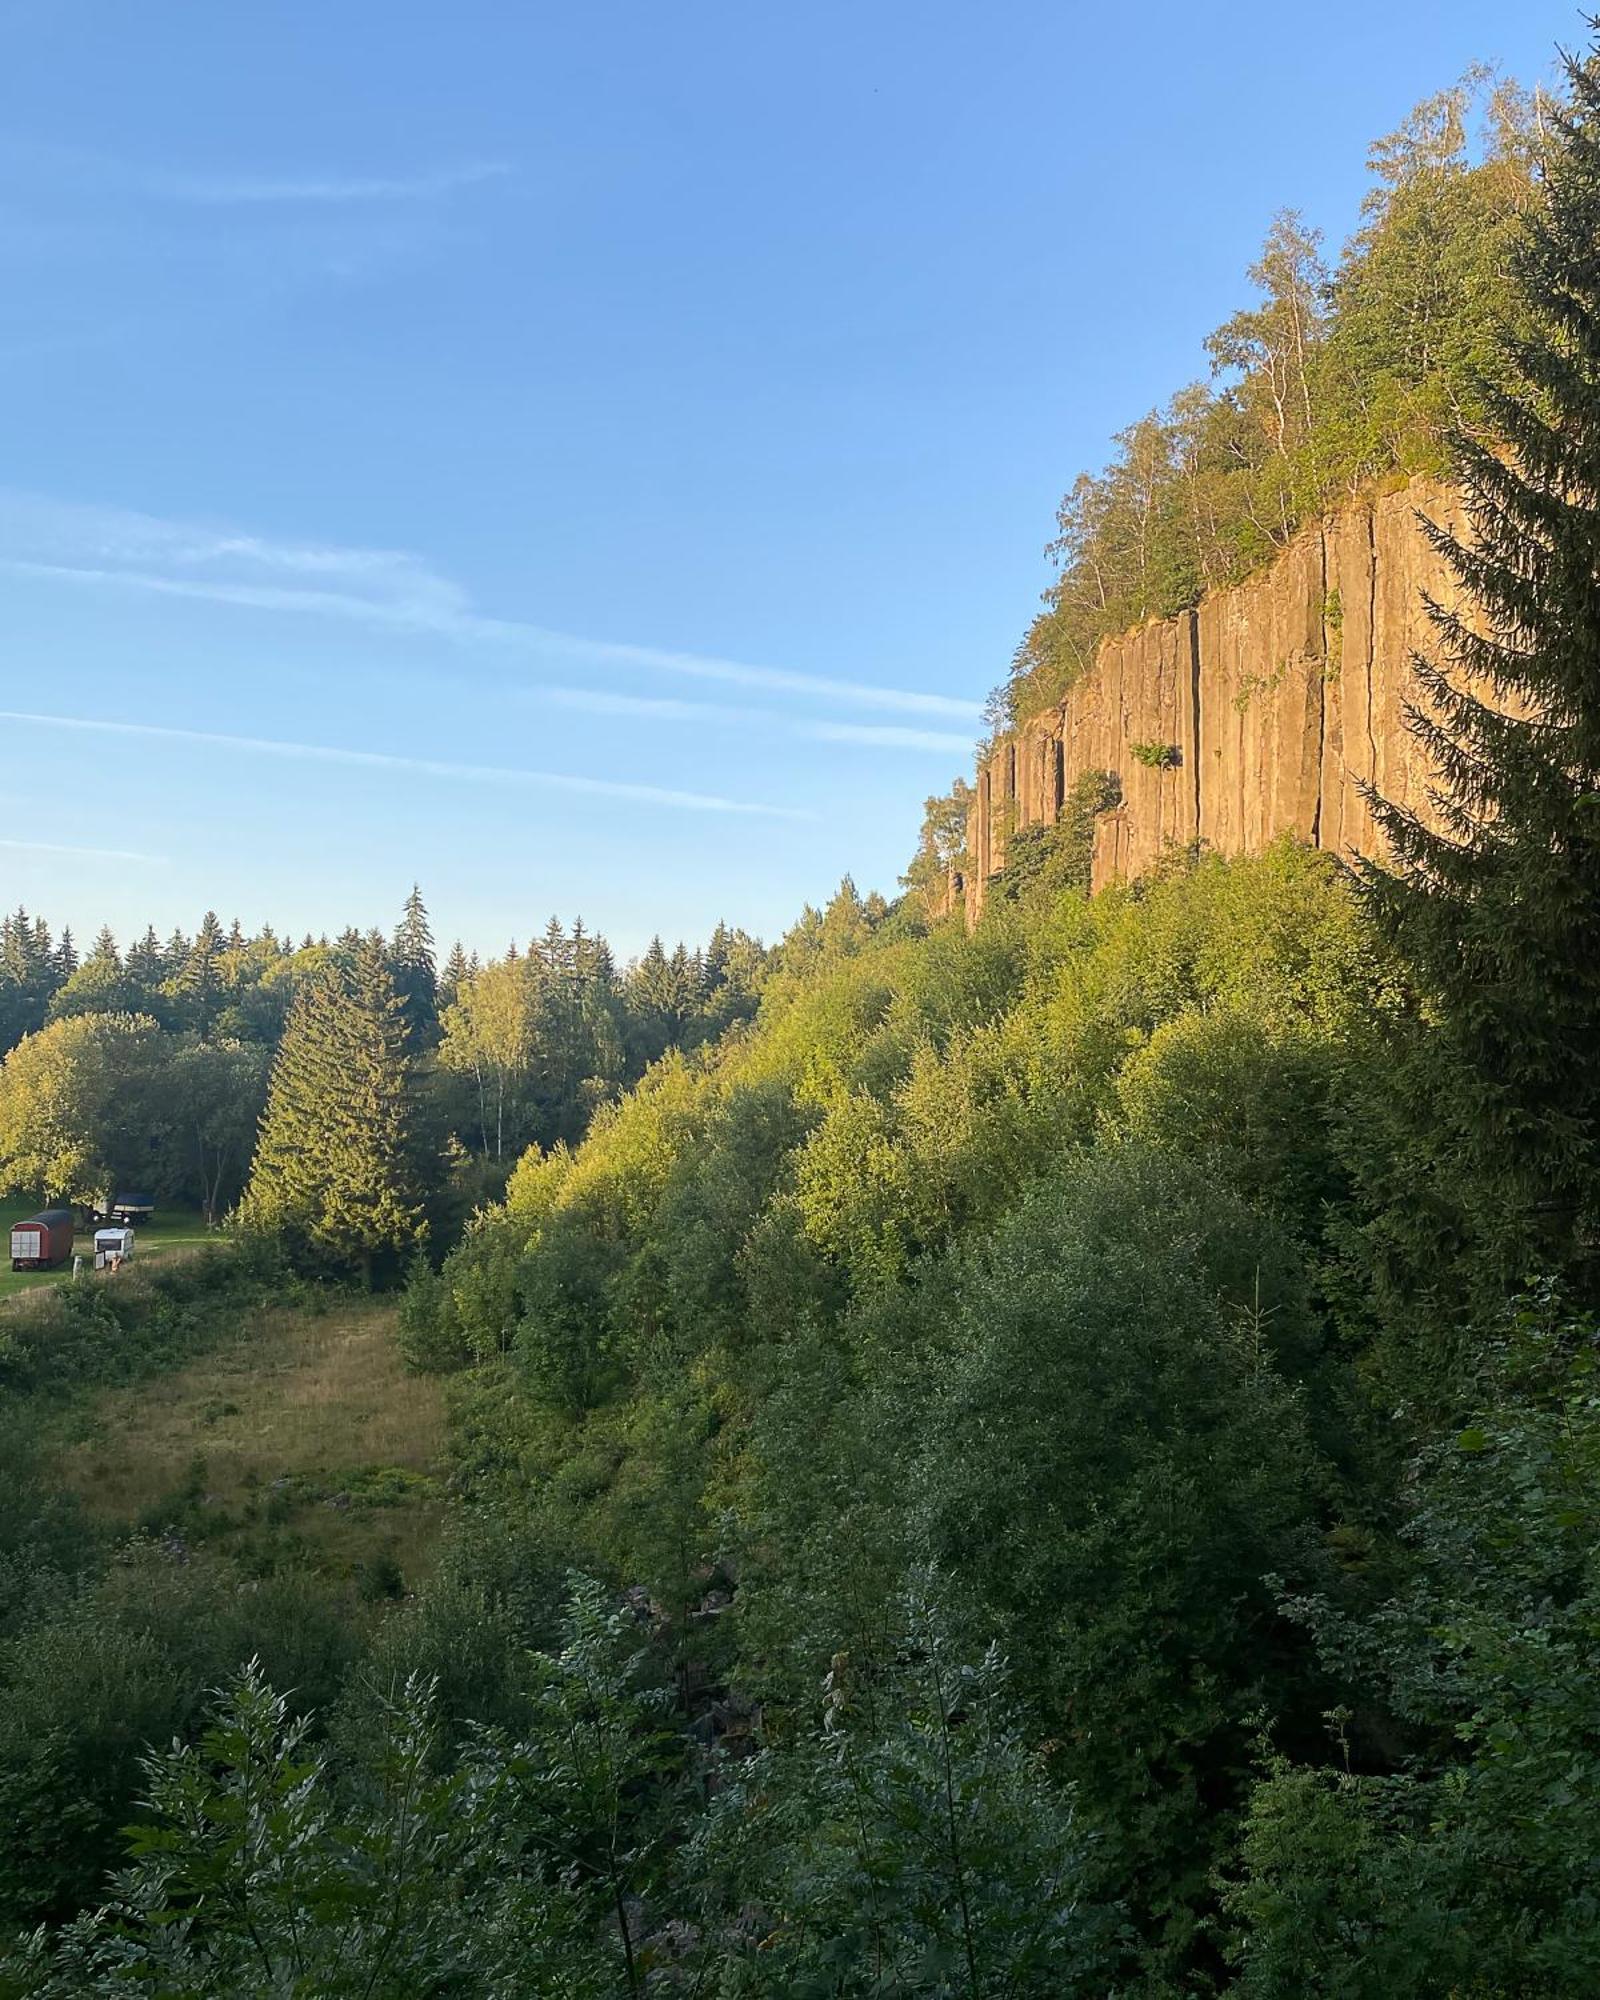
415, 977
554, 948
197, 983
144, 957
453, 977
336, 1168
28, 976
1498, 908
714, 959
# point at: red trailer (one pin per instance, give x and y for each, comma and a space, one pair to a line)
43, 1241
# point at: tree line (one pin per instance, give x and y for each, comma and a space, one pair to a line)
151, 1066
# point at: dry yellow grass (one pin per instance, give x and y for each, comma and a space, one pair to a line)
304, 1440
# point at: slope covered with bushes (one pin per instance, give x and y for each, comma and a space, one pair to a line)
1010, 1258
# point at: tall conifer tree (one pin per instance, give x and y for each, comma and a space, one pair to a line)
415, 974
197, 982
454, 975
336, 1167
1500, 911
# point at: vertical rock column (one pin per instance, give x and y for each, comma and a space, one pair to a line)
1039, 770
1263, 674
1386, 570
1149, 739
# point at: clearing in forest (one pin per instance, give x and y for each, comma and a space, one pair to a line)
305, 1441
174, 1230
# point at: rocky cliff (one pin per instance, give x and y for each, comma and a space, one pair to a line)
1260, 713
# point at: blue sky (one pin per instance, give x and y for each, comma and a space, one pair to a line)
591, 459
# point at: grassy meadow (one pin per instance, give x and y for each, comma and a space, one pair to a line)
303, 1441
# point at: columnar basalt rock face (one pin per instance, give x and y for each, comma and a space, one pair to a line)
1142, 728
1260, 714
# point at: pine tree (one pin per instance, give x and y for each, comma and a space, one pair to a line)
145, 970
596, 964
685, 978
98, 985
144, 957
661, 994
1500, 911
415, 977
844, 921
336, 1168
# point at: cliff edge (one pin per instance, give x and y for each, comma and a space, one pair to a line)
1259, 713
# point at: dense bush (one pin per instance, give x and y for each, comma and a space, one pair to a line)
1468, 1864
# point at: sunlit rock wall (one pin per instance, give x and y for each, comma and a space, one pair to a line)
1259, 714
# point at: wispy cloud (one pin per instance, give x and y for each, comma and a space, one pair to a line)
45, 164
740, 673
644, 707
246, 190
184, 243
379, 588
86, 853
888, 736
422, 767
112, 544
659, 708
